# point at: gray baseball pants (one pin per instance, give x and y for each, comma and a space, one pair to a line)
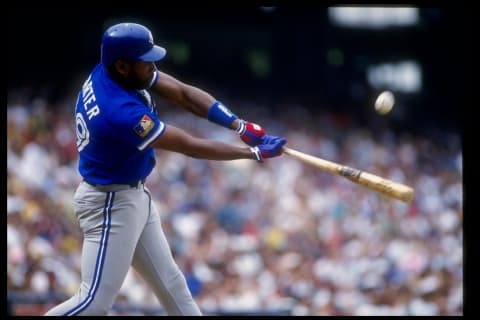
121, 227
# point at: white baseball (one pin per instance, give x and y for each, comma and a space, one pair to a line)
384, 102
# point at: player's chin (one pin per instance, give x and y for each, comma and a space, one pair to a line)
145, 85
147, 82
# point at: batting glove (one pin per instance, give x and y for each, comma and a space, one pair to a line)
269, 147
250, 133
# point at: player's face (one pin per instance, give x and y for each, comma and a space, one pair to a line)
141, 74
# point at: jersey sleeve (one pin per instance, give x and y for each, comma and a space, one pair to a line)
138, 126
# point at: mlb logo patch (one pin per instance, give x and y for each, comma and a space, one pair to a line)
144, 126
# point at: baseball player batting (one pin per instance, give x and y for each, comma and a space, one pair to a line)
117, 129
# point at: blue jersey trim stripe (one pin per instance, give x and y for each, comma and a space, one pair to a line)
102, 250
154, 136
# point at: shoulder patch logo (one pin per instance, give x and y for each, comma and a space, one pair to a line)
144, 126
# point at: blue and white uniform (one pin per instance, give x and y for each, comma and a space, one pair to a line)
121, 225
115, 128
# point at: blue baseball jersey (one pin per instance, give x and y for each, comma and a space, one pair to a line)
115, 129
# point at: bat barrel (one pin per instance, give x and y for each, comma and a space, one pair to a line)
371, 181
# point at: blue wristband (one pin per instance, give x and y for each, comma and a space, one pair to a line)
221, 115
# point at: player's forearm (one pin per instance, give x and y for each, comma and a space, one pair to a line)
208, 149
199, 102
196, 100
270, 147
188, 97
217, 150
178, 140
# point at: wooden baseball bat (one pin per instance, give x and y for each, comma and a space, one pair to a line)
371, 181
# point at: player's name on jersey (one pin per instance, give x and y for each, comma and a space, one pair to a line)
89, 100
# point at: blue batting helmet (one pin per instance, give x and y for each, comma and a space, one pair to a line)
130, 41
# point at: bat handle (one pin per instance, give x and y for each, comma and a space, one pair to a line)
287, 150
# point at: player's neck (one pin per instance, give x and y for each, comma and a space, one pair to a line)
117, 78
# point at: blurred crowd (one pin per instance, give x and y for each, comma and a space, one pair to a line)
268, 237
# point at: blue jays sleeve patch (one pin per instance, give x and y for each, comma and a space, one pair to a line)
144, 126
